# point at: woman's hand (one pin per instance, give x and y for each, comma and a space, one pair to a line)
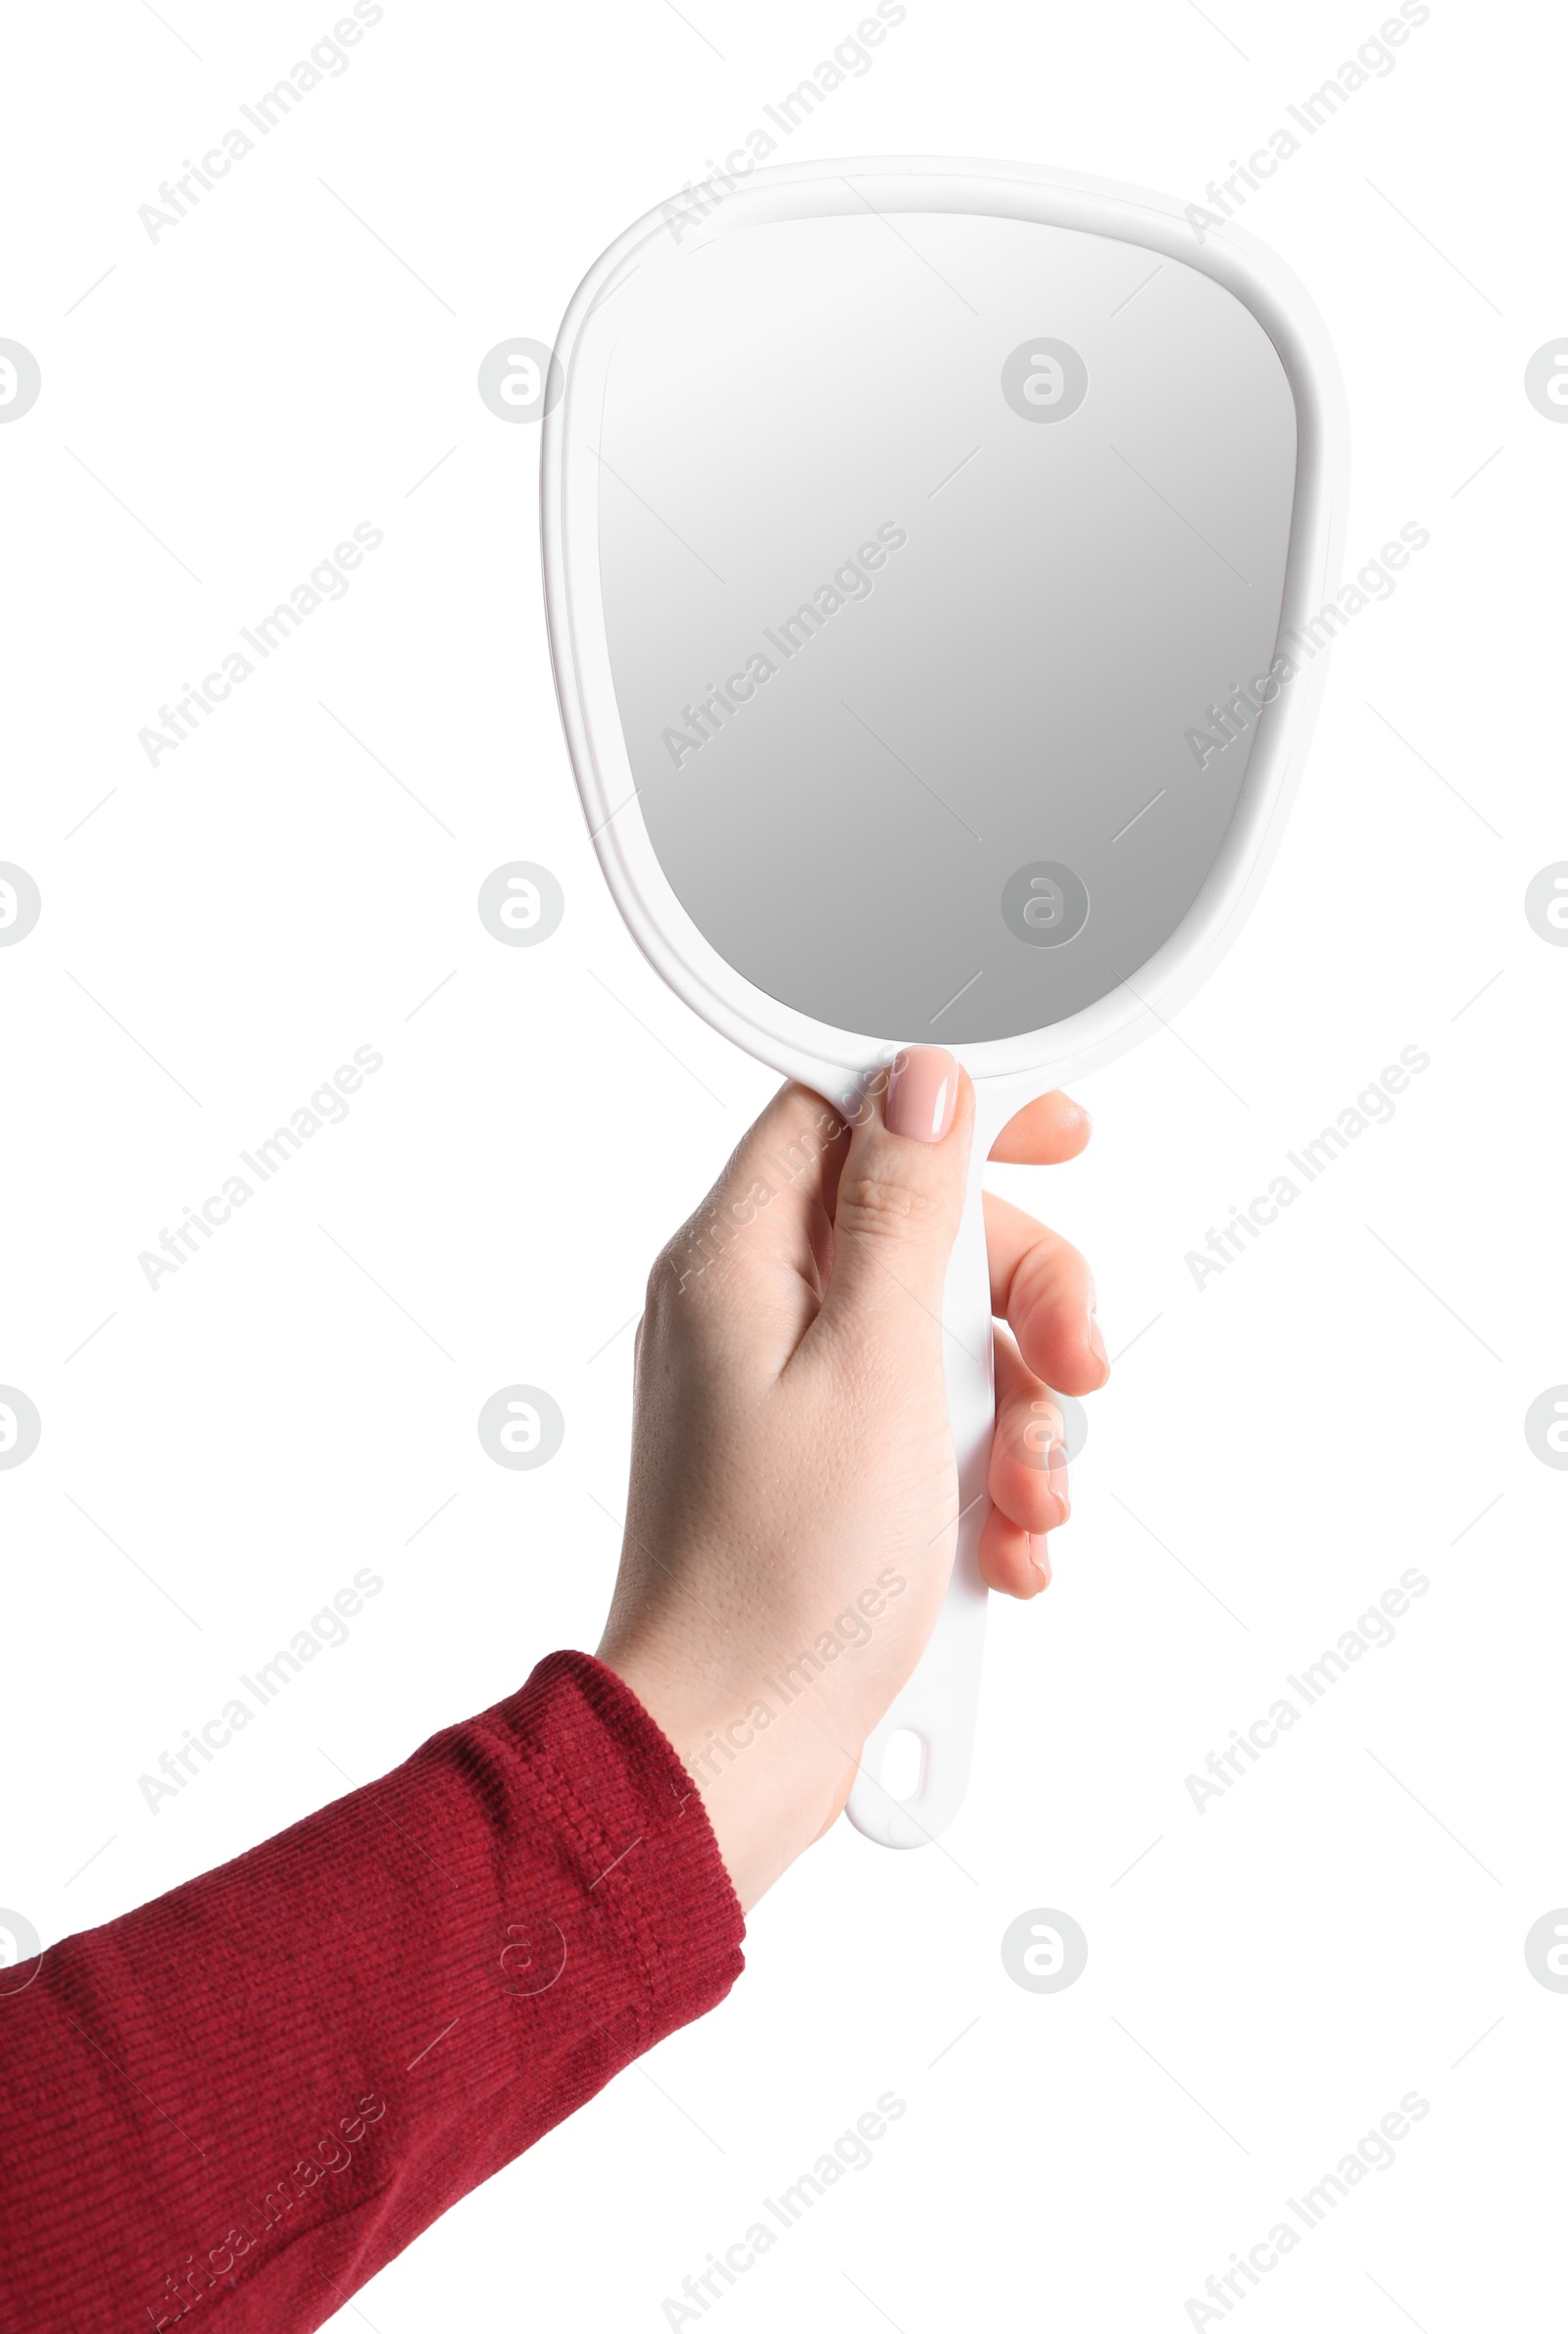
793, 1509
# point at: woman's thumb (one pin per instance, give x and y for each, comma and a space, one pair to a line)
900, 1199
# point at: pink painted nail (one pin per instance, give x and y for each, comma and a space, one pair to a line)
1097, 1343
923, 1093
1056, 1476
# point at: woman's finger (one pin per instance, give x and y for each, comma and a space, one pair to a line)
1043, 1289
1044, 1132
1028, 1473
1010, 1561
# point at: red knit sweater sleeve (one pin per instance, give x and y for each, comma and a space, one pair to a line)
231, 2108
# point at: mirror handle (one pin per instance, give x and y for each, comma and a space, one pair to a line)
939, 1706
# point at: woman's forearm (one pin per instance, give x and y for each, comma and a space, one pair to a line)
237, 2104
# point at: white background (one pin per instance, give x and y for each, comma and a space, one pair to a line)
1341, 1404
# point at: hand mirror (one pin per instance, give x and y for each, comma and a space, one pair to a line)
932, 555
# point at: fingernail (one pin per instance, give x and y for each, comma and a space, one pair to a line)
1056, 1464
923, 1093
1039, 1560
1097, 1343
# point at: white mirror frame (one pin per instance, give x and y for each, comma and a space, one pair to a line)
834, 1062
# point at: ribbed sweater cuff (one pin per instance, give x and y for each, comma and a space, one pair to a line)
237, 2104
